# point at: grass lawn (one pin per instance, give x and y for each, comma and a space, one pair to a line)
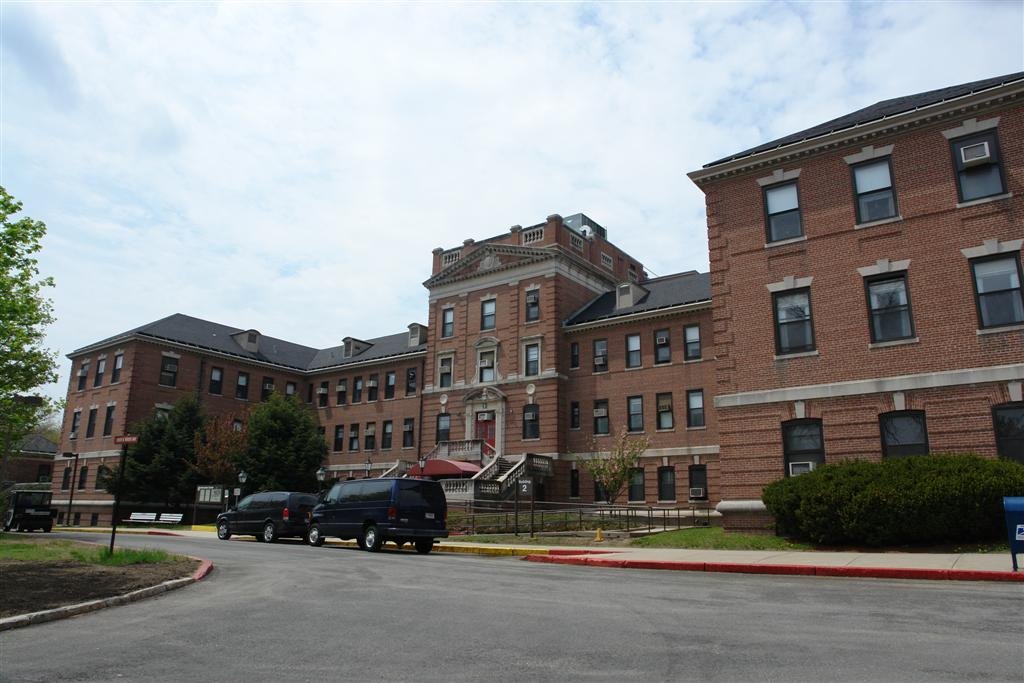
714, 538
17, 549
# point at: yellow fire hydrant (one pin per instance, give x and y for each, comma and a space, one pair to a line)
599, 537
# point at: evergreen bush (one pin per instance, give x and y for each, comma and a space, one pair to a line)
933, 499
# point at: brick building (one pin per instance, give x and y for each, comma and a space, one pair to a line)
864, 301
866, 279
496, 377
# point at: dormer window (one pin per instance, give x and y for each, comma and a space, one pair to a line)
248, 340
628, 294
417, 334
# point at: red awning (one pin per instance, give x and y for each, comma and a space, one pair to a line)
445, 468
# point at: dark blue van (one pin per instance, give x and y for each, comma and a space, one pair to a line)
373, 511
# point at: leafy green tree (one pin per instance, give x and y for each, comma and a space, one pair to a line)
161, 466
24, 314
612, 471
285, 447
220, 446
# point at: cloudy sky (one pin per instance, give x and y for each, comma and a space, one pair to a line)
290, 166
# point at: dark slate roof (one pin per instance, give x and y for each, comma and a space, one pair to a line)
879, 110
383, 347
663, 292
203, 334
37, 443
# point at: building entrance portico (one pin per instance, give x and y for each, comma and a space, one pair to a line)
485, 418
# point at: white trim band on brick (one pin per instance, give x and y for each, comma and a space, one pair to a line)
884, 265
789, 282
993, 246
969, 127
881, 385
779, 176
755, 505
868, 153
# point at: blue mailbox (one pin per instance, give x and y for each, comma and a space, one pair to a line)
1014, 509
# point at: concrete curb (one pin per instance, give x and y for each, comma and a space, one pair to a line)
21, 620
126, 532
465, 550
581, 559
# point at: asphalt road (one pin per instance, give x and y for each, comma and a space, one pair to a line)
290, 612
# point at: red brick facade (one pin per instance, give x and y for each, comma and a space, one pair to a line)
534, 279
951, 367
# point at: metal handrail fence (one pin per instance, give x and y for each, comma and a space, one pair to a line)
486, 517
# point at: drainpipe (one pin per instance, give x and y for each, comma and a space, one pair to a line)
199, 380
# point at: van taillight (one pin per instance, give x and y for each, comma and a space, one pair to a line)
285, 514
392, 512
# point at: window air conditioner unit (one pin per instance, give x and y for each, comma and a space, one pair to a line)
600, 412
406, 428
485, 362
322, 390
665, 405
73, 435
600, 360
696, 492
530, 416
532, 297
342, 386
371, 430
268, 386
978, 153
796, 468
662, 340
371, 383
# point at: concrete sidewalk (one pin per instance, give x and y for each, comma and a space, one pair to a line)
933, 566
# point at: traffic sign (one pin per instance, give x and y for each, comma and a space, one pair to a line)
126, 439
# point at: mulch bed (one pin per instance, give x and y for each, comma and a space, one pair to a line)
34, 586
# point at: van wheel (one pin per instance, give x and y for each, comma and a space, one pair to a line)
223, 531
269, 532
313, 536
371, 539
424, 545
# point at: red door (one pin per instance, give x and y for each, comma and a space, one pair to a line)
485, 427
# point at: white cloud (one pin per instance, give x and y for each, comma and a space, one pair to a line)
289, 167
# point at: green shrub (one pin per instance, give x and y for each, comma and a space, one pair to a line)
915, 500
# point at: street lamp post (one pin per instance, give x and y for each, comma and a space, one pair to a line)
71, 495
368, 463
242, 476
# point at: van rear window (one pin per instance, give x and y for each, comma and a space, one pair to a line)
34, 499
420, 494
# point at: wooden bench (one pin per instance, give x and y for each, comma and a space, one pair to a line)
154, 518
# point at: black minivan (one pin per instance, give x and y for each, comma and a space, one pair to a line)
373, 511
268, 515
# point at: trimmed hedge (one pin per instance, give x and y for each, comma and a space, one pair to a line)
924, 499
